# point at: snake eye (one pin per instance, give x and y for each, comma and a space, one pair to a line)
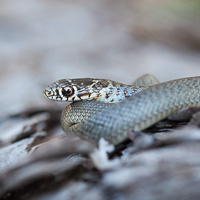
67, 91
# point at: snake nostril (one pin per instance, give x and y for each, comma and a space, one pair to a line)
47, 92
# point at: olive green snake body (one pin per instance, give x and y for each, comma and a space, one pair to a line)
139, 106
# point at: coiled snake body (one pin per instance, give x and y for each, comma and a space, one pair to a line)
140, 105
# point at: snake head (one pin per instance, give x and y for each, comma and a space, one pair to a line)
76, 89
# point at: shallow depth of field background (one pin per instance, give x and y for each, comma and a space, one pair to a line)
42, 41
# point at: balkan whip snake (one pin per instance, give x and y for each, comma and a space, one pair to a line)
140, 105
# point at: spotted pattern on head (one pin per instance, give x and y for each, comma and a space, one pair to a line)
102, 90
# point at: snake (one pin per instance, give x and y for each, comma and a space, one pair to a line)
103, 108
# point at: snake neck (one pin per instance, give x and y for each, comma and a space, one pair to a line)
116, 94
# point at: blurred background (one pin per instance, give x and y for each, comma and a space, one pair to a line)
42, 41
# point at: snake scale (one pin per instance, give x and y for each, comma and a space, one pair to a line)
115, 109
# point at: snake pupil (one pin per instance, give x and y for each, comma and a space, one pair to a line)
67, 91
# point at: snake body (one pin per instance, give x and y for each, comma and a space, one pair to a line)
114, 122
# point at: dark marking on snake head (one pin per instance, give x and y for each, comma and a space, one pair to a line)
96, 96
107, 95
79, 97
56, 92
114, 83
102, 84
118, 92
94, 86
125, 93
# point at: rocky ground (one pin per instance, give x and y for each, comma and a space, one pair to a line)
43, 41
